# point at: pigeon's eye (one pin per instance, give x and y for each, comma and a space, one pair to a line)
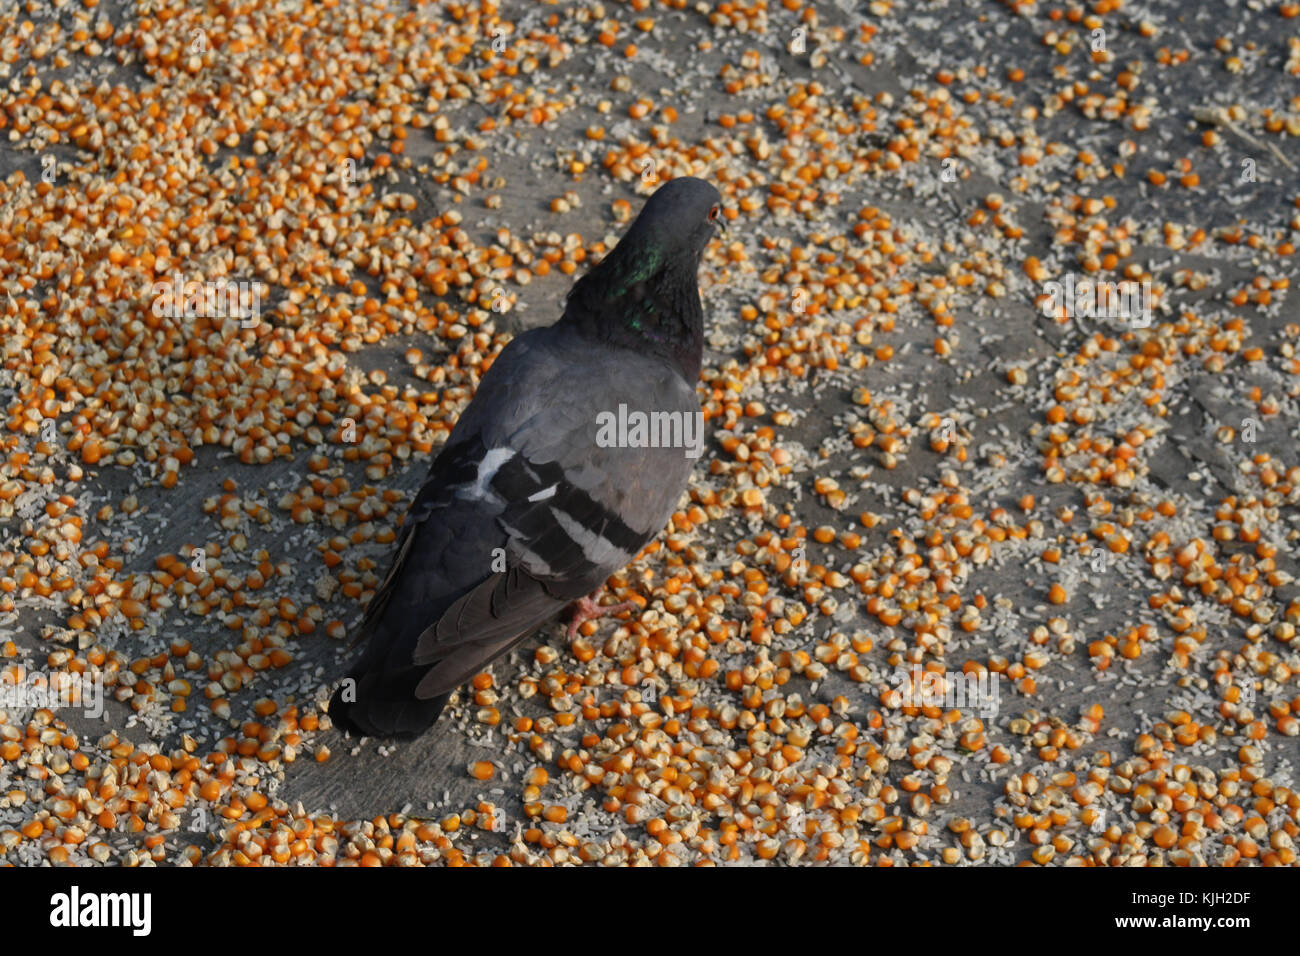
713, 214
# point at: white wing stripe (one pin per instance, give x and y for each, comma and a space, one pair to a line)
487, 468
595, 548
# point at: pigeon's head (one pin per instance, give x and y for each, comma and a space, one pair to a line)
645, 293
678, 221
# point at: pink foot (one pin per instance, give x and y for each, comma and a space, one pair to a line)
586, 609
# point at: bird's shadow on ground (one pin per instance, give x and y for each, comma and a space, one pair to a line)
385, 774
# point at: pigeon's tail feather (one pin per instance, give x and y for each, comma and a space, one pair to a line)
383, 704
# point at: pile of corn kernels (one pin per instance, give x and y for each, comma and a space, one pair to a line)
915, 463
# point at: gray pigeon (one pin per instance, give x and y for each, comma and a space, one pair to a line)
550, 481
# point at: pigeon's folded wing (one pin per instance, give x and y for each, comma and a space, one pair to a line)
523, 511
573, 512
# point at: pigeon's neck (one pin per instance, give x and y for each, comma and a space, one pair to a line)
637, 300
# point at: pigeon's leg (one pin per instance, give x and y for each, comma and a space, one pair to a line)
586, 609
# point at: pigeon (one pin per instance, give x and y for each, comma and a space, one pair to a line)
550, 482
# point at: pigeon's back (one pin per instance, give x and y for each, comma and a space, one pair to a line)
546, 487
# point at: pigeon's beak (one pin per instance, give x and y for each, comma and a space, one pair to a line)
720, 224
